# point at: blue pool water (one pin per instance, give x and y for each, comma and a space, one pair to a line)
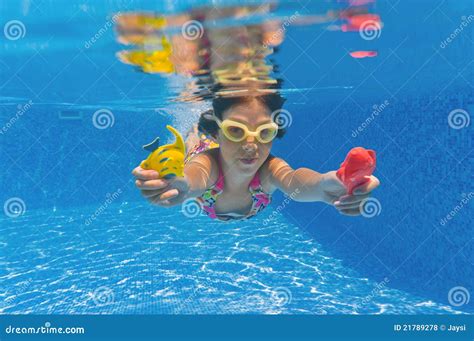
136, 260
76, 237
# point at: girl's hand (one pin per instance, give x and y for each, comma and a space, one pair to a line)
335, 193
161, 192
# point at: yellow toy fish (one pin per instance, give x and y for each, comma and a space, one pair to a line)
154, 61
167, 160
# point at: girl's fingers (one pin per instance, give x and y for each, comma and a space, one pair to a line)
347, 206
367, 187
165, 203
144, 174
351, 199
157, 202
150, 194
328, 198
351, 212
168, 195
151, 184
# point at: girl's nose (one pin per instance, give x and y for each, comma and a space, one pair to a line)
249, 148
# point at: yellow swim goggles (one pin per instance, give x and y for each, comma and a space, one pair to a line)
237, 132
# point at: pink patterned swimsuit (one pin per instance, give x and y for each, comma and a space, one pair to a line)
260, 199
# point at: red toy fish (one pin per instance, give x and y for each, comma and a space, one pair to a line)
359, 164
361, 22
363, 54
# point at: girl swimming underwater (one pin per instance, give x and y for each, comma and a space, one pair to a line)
233, 175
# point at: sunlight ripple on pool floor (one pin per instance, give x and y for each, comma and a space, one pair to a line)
131, 260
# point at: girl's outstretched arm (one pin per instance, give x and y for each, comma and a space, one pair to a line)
306, 185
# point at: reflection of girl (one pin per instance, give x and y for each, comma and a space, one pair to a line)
189, 52
236, 179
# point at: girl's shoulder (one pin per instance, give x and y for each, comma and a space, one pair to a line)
208, 161
269, 171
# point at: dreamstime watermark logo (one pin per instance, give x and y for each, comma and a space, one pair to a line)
47, 329
458, 296
281, 207
22, 109
19, 289
464, 201
458, 119
370, 30
191, 208
374, 292
103, 296
277, 35
14, 30
283, 118
464, 23
370, 207
276, 297
108, 24
192, 30
377, 110
103, 119
253, 301
281, 296
14, 207
110, 198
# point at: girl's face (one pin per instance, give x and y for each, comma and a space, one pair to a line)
250, 154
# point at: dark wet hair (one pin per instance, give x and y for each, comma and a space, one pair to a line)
272, 101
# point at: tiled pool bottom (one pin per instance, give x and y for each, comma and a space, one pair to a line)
138, 259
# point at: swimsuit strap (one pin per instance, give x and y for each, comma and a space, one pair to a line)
220, 178
208, 199
260, 198
255, 183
